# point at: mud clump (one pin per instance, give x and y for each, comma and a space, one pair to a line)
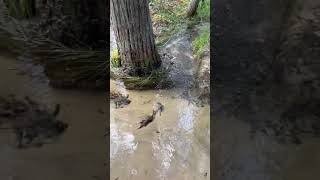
119, 100
297, 121
33, 123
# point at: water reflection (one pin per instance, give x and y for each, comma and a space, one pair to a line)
121, 142
186, 113
168, 148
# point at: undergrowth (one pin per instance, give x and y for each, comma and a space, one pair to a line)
201, 43
115, 59
21, 8
156, 78
169, 18
203, 12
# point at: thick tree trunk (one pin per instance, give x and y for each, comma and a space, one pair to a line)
75, 23
193, 6
132, 26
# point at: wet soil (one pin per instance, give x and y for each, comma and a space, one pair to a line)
119, 99
77, 154
29, 121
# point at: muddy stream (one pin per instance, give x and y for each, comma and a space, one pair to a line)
78, 154
173, 146
176, 144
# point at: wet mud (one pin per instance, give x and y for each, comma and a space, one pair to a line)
30, 121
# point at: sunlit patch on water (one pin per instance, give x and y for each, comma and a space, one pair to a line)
186, 117
172, 147
134, 172
121, 142
164, 152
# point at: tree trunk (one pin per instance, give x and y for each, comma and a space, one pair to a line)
76, 23
132, 26
193, 8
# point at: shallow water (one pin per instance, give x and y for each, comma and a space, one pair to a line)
78, 154
175, 146
168, 148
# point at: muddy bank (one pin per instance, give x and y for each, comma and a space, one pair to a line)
203, 66
79, 153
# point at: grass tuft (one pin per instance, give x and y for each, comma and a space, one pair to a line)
115, 59
157, 78
201, 43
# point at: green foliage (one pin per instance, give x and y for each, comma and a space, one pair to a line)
202, 15
168, 17
115, 59
204, 10
201, 43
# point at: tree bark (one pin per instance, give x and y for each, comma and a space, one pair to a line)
76, 23
193, 6
132, 26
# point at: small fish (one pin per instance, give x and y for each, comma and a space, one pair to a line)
146, 121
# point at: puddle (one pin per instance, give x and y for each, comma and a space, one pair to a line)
168, 148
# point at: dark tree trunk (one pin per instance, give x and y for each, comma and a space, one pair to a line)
132, 26
193, 6
75, 23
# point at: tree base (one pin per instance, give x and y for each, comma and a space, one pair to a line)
156, 80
